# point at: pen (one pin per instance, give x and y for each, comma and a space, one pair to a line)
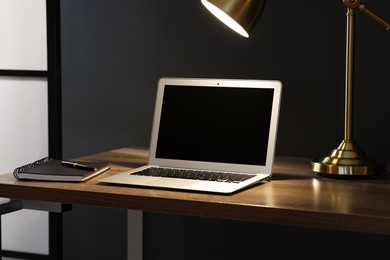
77, 166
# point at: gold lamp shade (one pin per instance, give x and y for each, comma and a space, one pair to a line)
240, 15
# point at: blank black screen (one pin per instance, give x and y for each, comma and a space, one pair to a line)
215, 124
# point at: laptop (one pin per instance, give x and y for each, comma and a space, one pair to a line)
209, 135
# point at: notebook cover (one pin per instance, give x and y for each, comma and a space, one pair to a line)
53, 170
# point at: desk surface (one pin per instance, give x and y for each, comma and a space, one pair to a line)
294, 196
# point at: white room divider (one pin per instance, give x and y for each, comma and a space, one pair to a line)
25, 84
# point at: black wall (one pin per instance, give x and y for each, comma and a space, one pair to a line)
114, 52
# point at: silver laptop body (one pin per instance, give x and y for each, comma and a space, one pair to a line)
222, 125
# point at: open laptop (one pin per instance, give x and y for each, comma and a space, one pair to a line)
210, 129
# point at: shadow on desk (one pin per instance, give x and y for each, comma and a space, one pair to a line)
285, 177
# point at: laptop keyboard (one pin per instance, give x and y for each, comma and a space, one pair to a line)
195, 174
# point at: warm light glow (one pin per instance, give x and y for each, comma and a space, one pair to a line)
225, 18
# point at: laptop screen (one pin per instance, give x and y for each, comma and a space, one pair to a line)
215, 124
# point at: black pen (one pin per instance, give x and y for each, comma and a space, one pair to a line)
77, 166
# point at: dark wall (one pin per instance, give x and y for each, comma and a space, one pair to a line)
114, 52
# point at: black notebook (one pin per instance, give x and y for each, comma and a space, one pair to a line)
49, 169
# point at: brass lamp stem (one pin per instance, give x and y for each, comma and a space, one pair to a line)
349, 73
348, 160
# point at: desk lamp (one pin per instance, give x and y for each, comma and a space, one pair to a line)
347, 160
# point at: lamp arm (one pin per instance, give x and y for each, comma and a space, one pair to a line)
362, 7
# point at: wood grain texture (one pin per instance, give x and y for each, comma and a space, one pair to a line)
294, 196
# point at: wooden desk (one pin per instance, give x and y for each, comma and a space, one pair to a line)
293, 197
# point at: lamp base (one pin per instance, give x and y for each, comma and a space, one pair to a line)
348, 161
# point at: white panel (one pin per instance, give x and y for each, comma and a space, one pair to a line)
23, 44
24, 117
23, 139
26, 231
